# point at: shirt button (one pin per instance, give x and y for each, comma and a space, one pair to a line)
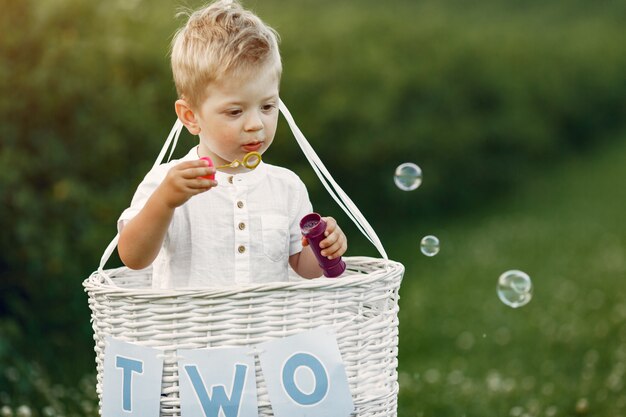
240, 204
242, 226
230, 179
241, 248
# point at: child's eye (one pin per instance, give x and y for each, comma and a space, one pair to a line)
233, 112
268, 107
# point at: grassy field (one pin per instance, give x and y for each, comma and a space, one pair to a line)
482, 93
464, 353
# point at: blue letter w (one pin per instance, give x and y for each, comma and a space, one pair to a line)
218, 399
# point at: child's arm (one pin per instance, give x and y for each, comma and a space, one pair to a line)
142, 237
335, 245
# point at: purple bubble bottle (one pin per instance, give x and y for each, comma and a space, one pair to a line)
313, 228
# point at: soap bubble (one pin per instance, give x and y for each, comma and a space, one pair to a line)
515, 288
429, 245
408, 176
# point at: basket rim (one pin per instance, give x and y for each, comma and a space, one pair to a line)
385, 270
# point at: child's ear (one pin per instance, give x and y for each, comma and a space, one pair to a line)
186, 115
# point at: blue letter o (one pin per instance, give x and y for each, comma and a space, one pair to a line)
321, 379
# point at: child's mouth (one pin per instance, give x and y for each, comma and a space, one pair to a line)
252, 147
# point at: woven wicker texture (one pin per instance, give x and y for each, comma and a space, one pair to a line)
361, 307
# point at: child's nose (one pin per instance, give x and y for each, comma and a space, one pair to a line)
253, 122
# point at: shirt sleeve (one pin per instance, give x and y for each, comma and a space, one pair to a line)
145, 189
301, 208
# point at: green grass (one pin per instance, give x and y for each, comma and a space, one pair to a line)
475, 90
463, 352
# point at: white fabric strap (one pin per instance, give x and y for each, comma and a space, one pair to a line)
327, 180
174, 134
105, 257
172, 137
335, 191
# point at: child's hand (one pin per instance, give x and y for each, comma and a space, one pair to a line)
183, 182
335, 244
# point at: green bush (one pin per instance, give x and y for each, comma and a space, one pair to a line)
478, 96
477, 104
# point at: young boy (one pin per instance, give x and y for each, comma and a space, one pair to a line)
227, 70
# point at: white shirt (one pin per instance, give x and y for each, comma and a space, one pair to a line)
241, 231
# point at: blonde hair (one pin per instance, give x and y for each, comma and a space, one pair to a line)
218, 39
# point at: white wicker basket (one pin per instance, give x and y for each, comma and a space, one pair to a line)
361, 307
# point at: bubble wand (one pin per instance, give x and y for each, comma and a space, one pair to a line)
250, 161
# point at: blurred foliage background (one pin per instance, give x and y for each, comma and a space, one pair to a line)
488, 97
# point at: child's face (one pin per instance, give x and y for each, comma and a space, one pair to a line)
239, 116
